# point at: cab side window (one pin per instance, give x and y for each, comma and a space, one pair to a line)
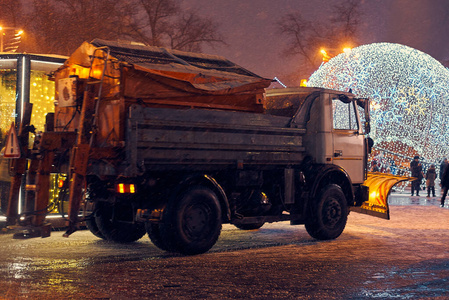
344, 116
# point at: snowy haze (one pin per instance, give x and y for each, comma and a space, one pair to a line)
253, 41
250, 30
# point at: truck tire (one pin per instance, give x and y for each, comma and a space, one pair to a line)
92, 226
328, 214
252, 226
192, 222
119, 229
89, 212
154, 233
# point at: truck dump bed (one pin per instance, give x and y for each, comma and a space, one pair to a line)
198, 138
127, 74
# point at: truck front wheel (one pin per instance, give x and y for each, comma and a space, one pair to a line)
328, 214
192, 222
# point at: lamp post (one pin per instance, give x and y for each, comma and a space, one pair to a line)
329, 53
17, 35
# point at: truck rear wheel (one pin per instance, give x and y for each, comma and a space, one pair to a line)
116, 223
92, 226
89, 213
192, 222
154, 233
328, 214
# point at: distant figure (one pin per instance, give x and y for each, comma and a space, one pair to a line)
431, 175
375, 167
393, 167
444, 185
443, 167
416, 170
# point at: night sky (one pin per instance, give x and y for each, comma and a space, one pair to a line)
249, 27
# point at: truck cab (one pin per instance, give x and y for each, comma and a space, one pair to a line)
333, 122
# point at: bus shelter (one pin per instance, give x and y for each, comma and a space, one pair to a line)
23, 78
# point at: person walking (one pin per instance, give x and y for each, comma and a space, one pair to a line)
431, 174
443, 167
416, 170
444, 185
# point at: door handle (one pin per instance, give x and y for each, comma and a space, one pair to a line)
338, 153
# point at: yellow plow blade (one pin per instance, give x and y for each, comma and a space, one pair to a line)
380, 186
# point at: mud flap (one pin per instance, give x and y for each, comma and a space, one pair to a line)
380, 186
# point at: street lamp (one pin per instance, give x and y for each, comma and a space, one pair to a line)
16, 37
328, 54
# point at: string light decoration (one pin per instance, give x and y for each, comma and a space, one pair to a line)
42, 95
7, 101
409, 93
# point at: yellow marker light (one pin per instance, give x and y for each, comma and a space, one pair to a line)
121, 188
126, 188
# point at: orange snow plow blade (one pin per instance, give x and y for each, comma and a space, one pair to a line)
380, 186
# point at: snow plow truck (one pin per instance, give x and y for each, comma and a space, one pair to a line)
174, 144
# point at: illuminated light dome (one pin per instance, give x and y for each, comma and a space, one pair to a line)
409, 92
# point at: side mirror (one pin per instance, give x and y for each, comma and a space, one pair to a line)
370, 144
364, 103
367, 127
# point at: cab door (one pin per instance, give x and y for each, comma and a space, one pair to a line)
348, 140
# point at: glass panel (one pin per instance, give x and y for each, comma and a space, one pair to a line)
42, 95
7, 116
7, 101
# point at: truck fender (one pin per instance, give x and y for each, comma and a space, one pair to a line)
323, 175
210, 182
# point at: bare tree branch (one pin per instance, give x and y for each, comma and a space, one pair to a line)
60, 26
190, 31
158, 15
306, 37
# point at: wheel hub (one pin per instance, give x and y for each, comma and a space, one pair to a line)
332, 212
196, 221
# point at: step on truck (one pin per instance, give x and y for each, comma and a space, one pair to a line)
174, 144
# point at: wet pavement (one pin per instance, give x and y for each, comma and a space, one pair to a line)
406, 257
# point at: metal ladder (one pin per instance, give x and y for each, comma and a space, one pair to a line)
85, 139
